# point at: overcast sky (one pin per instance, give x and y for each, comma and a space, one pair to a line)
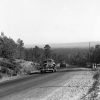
51, 21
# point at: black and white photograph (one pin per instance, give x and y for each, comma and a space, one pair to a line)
49, 49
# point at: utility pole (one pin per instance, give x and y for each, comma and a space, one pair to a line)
89, 53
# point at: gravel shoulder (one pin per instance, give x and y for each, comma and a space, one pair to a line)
74, 89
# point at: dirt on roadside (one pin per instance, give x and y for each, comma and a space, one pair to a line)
94, 91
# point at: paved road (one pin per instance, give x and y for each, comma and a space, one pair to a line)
35, 86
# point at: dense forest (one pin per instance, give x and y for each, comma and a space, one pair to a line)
11, 49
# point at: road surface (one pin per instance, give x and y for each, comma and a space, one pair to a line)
36, 86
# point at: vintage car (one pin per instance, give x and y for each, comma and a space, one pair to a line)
48, 65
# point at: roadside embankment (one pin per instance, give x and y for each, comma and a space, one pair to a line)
94, 91
7, 72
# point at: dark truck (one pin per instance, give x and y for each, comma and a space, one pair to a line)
62, 64
48, 65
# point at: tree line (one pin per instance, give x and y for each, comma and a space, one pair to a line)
15, 50
75, 56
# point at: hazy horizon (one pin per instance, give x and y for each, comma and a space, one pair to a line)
66, 45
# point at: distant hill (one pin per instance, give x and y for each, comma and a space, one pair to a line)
68, 45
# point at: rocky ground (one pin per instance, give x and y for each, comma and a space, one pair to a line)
75, 89
27, 66
94, 91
